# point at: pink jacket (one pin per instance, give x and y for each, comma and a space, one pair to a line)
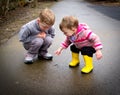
83, 37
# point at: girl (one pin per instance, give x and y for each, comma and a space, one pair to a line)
82, 39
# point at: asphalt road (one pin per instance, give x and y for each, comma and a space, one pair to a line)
55, 77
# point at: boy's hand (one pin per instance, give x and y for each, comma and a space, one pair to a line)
41, 35
98, 54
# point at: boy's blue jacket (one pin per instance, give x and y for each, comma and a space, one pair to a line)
30, 30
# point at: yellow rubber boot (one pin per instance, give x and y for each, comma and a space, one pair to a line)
88, 64
75, 60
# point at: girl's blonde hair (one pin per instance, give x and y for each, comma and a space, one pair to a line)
47, 16
69, 22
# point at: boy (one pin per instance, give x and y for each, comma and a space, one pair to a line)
83, 40
37, 36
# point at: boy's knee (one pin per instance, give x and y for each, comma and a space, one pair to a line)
48, 40
37, 42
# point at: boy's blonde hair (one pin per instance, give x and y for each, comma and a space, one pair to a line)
69, 22
47, 16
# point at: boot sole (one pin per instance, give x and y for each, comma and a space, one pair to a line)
87, 73
74, 66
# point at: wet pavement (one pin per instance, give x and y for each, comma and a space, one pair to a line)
55, 77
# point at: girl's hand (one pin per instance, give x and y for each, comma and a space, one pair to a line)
58, 51
41, 35
98, 54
